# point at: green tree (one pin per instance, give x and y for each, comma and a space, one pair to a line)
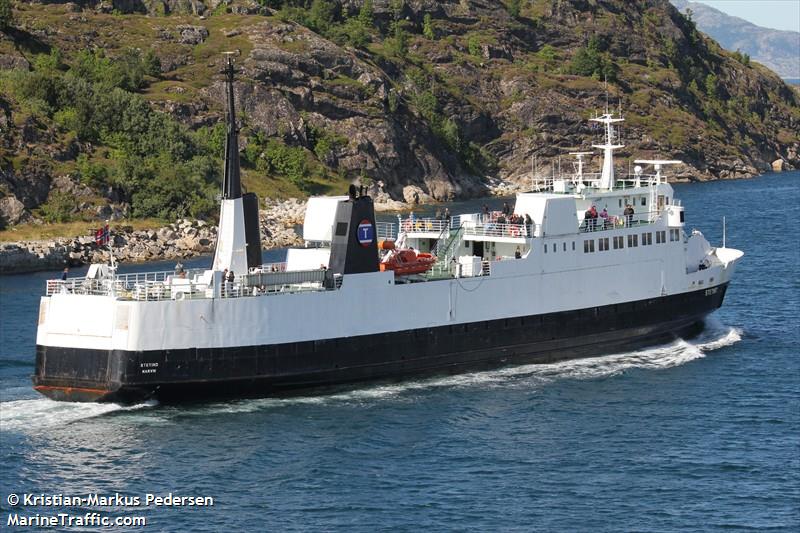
397, 7
151, 64
547, 52
474, 46
712, 88
58, 207
592, 61
6, 15
321, 15
49, 62
352, 32
288, 161
514, 8
92, 174
427, 27
366, 15
397, 44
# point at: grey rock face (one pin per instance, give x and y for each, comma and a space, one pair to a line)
193, 35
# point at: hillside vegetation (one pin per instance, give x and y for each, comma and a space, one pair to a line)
112, 109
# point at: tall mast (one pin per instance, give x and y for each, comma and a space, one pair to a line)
607, 176
231, 184
231, 250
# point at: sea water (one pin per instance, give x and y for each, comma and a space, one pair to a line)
698, 434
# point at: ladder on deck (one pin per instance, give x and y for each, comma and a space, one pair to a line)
444, 250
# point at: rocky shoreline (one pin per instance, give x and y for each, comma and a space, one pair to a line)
179, 240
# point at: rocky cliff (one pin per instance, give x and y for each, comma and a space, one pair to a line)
420, 99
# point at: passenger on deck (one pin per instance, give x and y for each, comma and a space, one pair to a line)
530, 225
485, 212
628, 215
65, 274
591, 218
604, 216
230, 277
506, 209
447, 215
518, 253
438, 215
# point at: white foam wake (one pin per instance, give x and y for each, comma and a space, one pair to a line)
43, 413
714, 337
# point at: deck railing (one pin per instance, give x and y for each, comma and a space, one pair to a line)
426, 225
386, 230
494, 229
154, 286
588, 225
592, 180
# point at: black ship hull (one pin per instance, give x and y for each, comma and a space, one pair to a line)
192, 374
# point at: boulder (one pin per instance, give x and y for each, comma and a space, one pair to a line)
414, 195
12, 211
192, 35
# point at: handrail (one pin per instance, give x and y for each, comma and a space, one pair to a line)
386, 230
494, 229
427, 225
166, 285
618, 221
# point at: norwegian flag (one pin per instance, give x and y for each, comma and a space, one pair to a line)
102, 236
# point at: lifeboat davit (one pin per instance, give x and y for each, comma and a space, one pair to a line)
406, 262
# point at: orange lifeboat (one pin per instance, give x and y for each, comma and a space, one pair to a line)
406, 262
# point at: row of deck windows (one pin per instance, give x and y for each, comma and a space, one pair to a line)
618, 242
633, 241
642, 199
554, 247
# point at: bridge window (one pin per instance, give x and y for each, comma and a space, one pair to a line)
674, 235
644, 200
565, 247
633, 241
588, 246
618, 243
661, 237
573, 246
602, 244
647, 239
620, 202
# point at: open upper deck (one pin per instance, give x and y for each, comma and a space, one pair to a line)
195, 284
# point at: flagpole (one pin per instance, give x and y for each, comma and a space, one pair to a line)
107, 234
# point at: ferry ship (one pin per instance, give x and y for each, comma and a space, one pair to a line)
586, 264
